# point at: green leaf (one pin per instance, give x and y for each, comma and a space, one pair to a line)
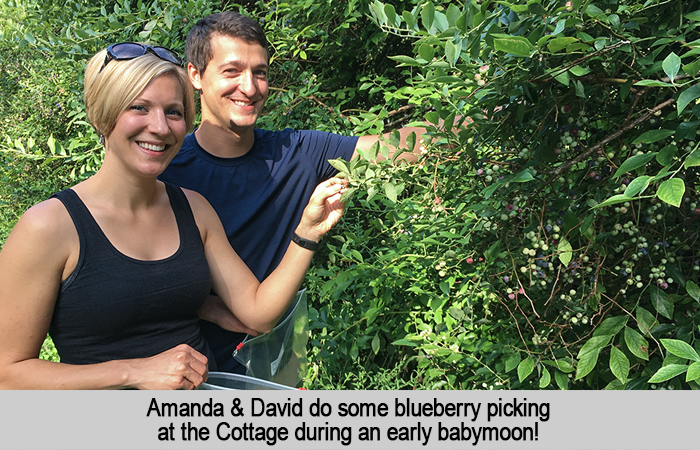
593, 11
637, 186
522, 176
671, 65
693, 290
695, 15
646, 320
693, 159
586, 363
374, 151
554, 45
615, 385
611, 326
168, 19
376, 344
615, 199
653, 136
565, 251
661, 302
451, 52
579, 71
561, 364
563, 78
370, 315
692, 69
636, 343
390, 14
667, 372
433, 117
666, 154
411, 141
453, 14
357, 255
512, 361
688, 96
403, 59
693, 372
594, 344
405, 342
427, 15
653, 83
671, 191
633, 163
525, 368
514, 7
562, 380
456, 313
410, 19
515, 45
445, 287
426, 52
619, 364
545, 379
680, 348
339, 165
30, 38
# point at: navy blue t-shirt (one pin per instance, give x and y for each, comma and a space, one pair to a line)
260, 198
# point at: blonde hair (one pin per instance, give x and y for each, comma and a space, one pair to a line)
110, 89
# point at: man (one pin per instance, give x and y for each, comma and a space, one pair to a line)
258, 181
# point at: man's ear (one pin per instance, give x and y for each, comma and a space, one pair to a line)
195, 76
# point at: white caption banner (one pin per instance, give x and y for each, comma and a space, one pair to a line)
349, 420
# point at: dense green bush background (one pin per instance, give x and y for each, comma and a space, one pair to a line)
549, 241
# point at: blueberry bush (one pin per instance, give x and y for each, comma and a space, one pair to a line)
552, 242
547, 238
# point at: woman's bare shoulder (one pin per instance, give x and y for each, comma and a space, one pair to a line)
48, 218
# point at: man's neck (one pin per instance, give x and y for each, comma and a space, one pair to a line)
223, 142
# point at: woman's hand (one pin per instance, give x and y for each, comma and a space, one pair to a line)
181, 367
323, 210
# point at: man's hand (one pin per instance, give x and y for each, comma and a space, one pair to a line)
323, 210
214, 310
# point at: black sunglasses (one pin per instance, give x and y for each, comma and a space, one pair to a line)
129, 50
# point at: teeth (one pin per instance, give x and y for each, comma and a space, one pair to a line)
155, 148
240, 103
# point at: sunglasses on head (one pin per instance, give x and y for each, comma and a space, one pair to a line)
129, 50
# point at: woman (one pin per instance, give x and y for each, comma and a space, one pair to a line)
117, 267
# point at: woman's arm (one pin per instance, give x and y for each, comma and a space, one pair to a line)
41, 251
260, 305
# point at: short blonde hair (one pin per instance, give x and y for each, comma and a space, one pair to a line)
110, 89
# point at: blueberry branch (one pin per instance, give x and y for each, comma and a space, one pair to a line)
556, 173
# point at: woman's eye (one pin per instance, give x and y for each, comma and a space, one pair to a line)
175, 112
138, 108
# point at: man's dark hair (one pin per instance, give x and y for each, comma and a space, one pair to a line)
225, 23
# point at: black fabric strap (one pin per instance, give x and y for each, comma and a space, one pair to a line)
305, 243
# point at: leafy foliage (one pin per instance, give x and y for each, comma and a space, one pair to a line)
547, 239
552, 244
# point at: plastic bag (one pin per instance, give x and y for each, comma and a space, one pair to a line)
280, 355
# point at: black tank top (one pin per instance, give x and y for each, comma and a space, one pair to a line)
116, 307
